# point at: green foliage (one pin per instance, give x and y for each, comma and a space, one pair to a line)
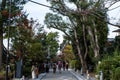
90, 18
68, 53
16, 9
117, 58
52, 43
36, 53
108, 67
27, 68
75, 64
116, 74
117, 45
116, 52
72, 64
55, 21
2, 74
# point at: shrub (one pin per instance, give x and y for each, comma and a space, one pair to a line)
72, 64
2, 75
108, 67
75, 64
27, 69
116, 74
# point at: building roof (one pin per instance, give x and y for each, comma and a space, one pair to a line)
118, 30
110, 39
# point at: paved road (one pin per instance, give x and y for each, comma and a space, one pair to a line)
65, 75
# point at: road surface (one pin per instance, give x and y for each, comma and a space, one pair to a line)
64, 75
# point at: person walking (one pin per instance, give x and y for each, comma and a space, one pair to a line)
47, 66
67, 65
64, 64
54, 67
59, 66
33, 72
36, 71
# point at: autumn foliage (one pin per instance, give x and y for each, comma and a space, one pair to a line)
5, 13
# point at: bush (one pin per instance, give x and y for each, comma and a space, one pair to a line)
116, 74
108, 67
27, 69
2, 75
72, 64
75, 64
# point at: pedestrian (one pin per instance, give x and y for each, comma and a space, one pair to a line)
44, 67
33, 72
36, 71
47, 67
54, 67
67, 65
64, 65
59, 66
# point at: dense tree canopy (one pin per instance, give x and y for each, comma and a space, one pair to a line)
9, 12
85, 25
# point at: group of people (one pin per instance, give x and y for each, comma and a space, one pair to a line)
44, 67
63, 65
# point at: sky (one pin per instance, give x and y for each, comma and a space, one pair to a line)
114, 16
38, 12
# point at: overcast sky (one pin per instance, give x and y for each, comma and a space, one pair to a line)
38, 12
114, 16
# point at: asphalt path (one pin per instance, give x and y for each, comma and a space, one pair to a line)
64, 75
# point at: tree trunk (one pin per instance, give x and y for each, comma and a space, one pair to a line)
96, 46
82, 60
94, 42
1, 45
84, 37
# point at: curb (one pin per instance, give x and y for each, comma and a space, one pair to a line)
78, 78
40, 76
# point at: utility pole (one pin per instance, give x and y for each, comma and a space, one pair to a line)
7, 57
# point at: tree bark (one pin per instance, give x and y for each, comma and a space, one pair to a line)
83, 62
1, 45
84, 37
94, 41
96, 44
